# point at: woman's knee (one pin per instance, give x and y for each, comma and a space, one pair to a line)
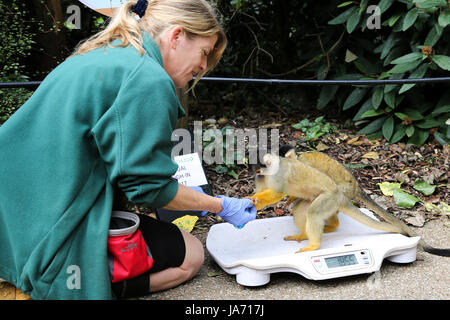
195, 255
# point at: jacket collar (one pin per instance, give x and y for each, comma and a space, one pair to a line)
151, 48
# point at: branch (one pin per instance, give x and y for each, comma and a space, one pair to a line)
308, 62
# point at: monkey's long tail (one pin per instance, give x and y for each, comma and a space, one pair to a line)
372, 205
352, 211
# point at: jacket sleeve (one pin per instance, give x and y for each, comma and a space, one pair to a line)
134, 138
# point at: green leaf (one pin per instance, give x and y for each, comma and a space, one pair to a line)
371, 113
441, 109
424, 187
373, 127
221, 169
410, 57
384, 5
392, 20
419, 137
433, 36
404, 67
444, 18
410, 130
377, 97
233, 174
418, 73
441, 138
353, 21
389, 98
404, 200
343, 17
302, 124
399, 134
410, 18
425, 4
413, 114
366, 106
390, 42
344, 4
388, 128
442, 61
428, 123
326, 95
353, 98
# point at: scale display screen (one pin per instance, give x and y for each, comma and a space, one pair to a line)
341, 261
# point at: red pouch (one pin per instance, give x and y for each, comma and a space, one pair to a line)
128, 254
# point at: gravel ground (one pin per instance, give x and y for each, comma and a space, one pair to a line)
425, 279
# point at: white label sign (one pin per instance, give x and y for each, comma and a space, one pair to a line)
190, 170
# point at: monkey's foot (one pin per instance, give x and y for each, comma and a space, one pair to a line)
310, 247
296, 237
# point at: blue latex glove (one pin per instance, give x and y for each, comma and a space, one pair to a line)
237, 211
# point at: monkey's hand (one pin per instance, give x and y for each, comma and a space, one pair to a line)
266, 198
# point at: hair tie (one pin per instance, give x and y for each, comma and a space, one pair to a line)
140, 7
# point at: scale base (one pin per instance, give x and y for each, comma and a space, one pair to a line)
258, 250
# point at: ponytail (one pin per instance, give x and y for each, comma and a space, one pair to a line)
196, 17
123, 26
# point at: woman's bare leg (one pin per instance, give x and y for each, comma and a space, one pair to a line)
172, 277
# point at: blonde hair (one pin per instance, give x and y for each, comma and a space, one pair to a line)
196, 17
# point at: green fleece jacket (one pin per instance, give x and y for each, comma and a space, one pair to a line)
99, 120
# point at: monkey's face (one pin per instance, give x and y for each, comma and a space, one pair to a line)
272, 164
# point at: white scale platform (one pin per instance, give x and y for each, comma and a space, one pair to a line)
258, 250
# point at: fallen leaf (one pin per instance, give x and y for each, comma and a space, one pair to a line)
354, 141
417, 221
401, 177
404, 199
213, 274
445, 208
321, 147
387, 188
424, 187
186, 223
270, 125
297, 134
371, 155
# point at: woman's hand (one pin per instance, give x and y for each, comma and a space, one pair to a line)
237, 211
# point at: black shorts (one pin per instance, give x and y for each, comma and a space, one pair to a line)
168, 249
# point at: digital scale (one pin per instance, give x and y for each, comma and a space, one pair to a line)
258, 250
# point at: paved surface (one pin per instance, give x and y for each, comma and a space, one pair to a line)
426, 278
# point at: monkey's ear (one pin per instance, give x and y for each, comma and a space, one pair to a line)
291, 154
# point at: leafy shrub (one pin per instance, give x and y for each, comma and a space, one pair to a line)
15, 44
410, 44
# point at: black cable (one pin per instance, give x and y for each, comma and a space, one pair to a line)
34, 84
326, 82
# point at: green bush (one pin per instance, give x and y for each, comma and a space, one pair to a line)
294, 39
16, 39
411, 43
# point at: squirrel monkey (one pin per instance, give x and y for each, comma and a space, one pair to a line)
325, 188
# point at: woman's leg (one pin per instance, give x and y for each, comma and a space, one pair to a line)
172, 277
